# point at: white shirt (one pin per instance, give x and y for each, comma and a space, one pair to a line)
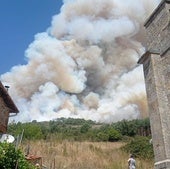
132, 163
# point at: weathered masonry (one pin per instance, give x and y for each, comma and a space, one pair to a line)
7, 108
156, 64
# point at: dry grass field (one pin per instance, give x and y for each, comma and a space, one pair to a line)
83, 155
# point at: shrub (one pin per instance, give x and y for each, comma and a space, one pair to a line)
114, 135
85, 128
101, 136
12, 158
140, 147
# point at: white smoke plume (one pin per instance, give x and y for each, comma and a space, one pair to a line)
85, 64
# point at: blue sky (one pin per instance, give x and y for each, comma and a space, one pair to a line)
20, 21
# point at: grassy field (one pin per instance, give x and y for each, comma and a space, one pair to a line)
83, 155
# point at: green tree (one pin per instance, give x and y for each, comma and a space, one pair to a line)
32, 131
85, 128
140, 147
101, 136
114, 135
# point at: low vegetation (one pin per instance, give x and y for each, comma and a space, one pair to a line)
140, 147
83, 155
12, 158
80, 144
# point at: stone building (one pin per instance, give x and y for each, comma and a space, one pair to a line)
156, 64
7, 108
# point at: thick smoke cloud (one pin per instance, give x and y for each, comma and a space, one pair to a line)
85, 64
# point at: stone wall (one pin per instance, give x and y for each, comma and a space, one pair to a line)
156, 64
166, 73
158, 29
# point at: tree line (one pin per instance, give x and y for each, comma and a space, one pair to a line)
80, 129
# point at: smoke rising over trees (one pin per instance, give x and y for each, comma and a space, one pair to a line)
85, 64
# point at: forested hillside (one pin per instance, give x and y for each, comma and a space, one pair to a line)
80, 130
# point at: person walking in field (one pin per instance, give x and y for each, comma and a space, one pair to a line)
131, 162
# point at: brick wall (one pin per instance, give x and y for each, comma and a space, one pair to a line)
4, 114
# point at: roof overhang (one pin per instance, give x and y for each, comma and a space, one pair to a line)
8, 100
